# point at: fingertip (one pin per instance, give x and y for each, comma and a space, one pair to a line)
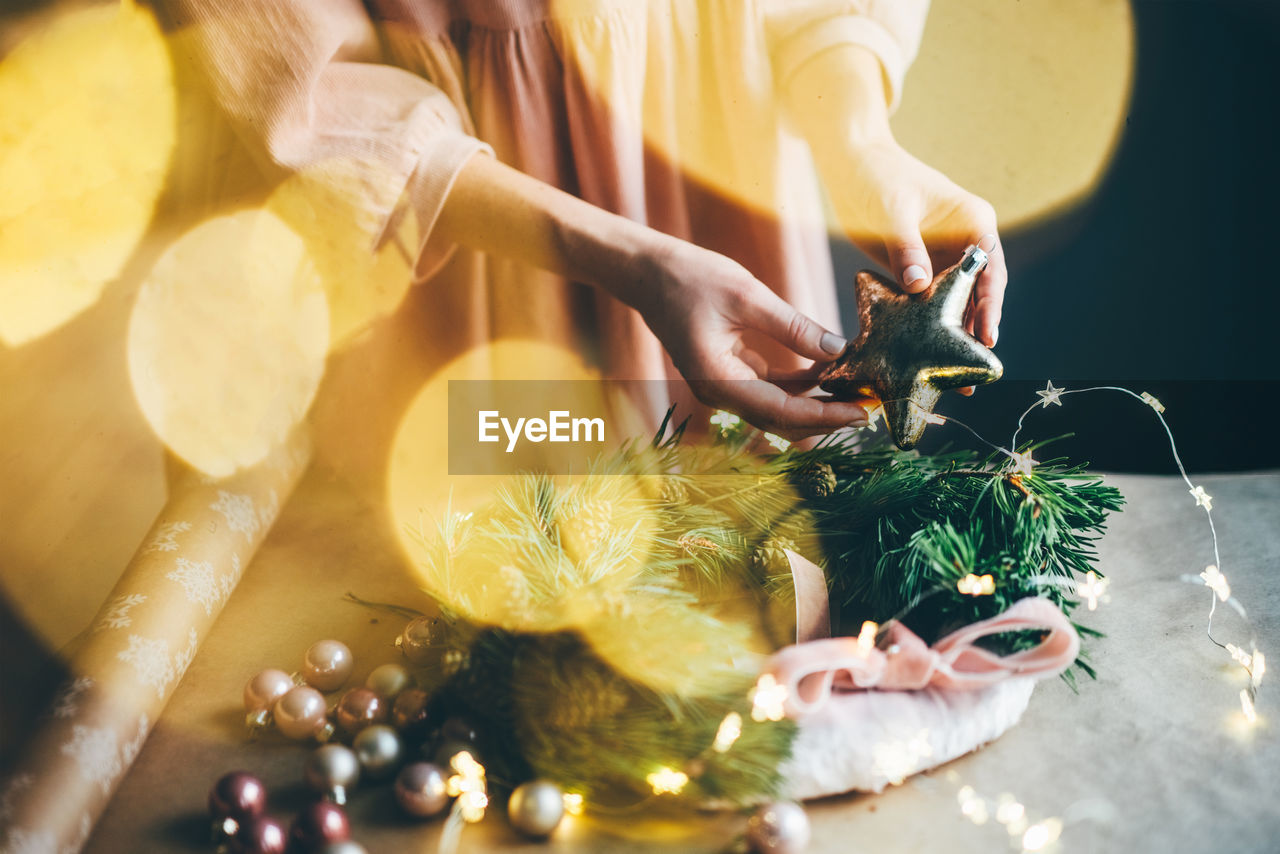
967, 391
914, 278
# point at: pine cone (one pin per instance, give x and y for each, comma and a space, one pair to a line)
770, 557
815, 480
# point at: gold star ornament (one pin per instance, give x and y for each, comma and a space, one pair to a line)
912, 347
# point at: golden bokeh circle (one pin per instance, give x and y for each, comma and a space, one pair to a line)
88, 103
228, 339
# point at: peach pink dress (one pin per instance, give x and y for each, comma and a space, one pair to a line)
664, 111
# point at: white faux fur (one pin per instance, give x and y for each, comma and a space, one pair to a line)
865, 740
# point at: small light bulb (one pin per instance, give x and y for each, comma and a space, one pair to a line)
1023, 463
1217, 582
726, 421
1203, 499
867, 637
573, 803
729, 731
1092, 588
777, 441
667, 781
1041, 834
976, 585
1246, 705
768, 699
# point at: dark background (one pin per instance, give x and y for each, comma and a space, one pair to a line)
1166, 281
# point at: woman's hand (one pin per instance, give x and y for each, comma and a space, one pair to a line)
706, 309
914, 220
908, 216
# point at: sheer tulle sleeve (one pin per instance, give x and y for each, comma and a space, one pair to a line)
302, 82
798, 30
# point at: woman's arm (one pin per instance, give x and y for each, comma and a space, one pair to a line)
697, 302
898, 210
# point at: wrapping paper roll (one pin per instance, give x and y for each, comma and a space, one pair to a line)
139, 645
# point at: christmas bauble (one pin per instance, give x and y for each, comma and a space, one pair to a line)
388, 680
780, 827
409, 712
422, 642
346, 846
333, 770
378, 748
535, 808
359, 708
327, 665
300, 713
421, 789
259, 835
318, 825
262, 691
238, 796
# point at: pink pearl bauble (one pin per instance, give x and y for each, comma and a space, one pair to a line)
300, 713
421, 790
327, 665
359, 708
318, 825
262, 691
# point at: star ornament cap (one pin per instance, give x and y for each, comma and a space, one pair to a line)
912, 347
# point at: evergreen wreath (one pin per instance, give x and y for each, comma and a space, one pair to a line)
604, 626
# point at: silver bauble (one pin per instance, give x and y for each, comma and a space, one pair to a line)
378, 748
536, 807
780, 827
333, 770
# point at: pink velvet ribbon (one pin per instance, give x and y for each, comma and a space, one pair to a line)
812, 669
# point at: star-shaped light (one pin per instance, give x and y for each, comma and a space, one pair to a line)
1150, 400
874, 411
667, 781
1216, 581
1023, 463
1203, 499
912, 347
976, 585
726, 421
767, 699
1050, 395
777, 441
1092, 588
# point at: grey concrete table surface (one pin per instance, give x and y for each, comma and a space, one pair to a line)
1152, 756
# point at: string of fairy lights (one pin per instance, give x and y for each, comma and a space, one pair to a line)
1027, 835
897, 762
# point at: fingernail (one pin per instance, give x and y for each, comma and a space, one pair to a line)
987, 242
993, 332
912, 274
833, 343
860, 421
